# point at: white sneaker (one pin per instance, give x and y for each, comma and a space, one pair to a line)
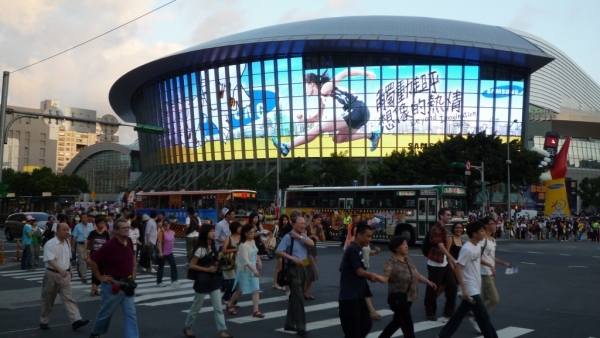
160, 285
175, 283
152, 270
475, 325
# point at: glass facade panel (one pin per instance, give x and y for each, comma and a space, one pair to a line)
317, 105
109, 171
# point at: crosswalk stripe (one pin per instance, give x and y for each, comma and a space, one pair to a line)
164, 295
210, 308
511, 332
420, 326
330, 322
283, 313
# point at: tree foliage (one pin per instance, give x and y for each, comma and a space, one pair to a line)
433, 165
43, 180
337, 170
589, 192
297, 172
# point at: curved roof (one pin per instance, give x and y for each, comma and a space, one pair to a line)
418, 36
86, 153
562, 83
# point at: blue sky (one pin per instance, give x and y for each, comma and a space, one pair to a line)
33, 29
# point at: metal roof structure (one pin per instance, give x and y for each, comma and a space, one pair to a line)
404, 36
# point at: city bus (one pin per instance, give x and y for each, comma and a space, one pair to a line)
394, 210
208, 203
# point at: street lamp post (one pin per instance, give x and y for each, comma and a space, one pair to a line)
508, 171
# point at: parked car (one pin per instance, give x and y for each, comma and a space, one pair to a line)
13, 227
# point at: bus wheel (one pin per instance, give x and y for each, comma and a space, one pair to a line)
406, 231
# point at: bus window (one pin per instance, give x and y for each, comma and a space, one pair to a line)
455, 204
342, 203
432, 207
349, 203
209, 204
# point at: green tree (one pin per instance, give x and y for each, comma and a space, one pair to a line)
43, 180
433, 165
338, 170
589, 192
246, 178
398, 168
297, 172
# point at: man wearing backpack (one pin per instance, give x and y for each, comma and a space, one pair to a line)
440, 266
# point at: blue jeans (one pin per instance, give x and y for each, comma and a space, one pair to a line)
215, 298
108, 306
481, 316
161, 267
26, 257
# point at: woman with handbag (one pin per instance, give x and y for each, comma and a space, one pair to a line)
229, 252
284, 226
261, 243
205, 267
246, 277
402, 277
165, 244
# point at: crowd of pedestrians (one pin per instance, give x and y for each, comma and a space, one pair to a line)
225, 261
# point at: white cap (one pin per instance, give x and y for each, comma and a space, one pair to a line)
224, 211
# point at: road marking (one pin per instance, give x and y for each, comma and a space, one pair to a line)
283, 313
527, 263
564, 255
210, 308
329, 322
420, 326
578, 266
185, 292
511, 332
596, 256
503, 250
535, 252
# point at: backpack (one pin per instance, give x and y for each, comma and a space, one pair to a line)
47, 235
426, 247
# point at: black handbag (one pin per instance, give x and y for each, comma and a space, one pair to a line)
283, 276
399, 300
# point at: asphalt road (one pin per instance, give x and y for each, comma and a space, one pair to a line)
553, 295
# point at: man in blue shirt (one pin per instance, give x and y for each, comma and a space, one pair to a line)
295, 319
78, 236
27, 239
354, 313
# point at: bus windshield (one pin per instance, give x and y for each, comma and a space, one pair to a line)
456, 204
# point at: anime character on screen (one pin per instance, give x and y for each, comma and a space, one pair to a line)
350, 114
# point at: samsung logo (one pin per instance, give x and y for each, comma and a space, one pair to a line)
556, 186
502, 91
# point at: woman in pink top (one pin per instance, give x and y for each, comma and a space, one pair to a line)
166, 241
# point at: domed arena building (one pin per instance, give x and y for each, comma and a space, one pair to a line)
363, 85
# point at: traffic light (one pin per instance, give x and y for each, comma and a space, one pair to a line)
3, 190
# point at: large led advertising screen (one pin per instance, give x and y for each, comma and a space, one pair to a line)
258, 109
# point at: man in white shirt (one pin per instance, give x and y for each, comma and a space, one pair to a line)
151, 236
192, 225
468, 273
222, 229
57, 279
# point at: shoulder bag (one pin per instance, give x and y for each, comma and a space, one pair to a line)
283, 276
399, 300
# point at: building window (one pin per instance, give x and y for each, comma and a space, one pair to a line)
17, 134
27, 135
42, 163
42, 136
61, 134
42, 143
42, 152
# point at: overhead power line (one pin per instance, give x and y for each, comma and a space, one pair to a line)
94, 38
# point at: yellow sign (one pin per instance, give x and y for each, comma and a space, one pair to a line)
30, 168
557, 204
93, 195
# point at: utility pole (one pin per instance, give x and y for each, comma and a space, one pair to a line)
3, 104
